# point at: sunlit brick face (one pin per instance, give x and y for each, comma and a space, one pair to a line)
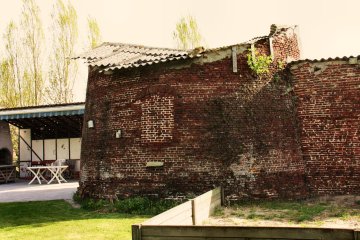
157, 119
205, 124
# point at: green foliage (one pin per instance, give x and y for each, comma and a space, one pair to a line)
259, 63
63, 70
33, 40
253, 215
20, 71
187, 33
219, 211
91, 204
281, 64
94, 34
272, 210
8, 96
307, 213
144, 206
20, 74
134, 205
25, 78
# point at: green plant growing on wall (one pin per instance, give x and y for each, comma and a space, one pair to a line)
259, 63
281, 64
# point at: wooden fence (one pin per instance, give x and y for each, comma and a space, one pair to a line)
183, 222
240, 233
192, 212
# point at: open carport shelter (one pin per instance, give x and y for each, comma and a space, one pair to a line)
45, 134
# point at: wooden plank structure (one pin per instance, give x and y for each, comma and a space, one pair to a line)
183, 222
192, 212
7, 173
240, 233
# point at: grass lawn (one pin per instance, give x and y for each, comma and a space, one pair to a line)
332, 211
58, 220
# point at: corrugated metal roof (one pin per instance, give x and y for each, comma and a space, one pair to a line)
109, 56
344, 58
119, 55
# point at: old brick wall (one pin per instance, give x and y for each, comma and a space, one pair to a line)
207, 124
328, 96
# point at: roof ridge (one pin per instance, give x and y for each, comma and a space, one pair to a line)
315, 60
274, 30
143, 46
119, 55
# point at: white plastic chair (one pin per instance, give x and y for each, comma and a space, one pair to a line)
59, 162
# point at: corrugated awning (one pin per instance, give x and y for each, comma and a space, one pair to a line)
42, 111
47, 122
42, 114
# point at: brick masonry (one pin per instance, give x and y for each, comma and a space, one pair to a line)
328, 96
210, 126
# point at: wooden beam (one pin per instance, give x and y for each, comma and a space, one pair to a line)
239, 232
136, 232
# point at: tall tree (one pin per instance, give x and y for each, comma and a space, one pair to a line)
11, 89
33, 39
14, 70
94, 34
63, 70
8, 96
19, 68
187, 34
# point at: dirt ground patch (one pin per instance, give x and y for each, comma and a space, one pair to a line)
328, 211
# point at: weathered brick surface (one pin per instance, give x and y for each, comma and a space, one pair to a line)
157, 119
328, 96
208, 125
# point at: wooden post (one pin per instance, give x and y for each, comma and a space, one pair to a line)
234, 58
193, 211
136, 231
222, 195
357, 234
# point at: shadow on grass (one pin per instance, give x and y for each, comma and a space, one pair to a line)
38, 214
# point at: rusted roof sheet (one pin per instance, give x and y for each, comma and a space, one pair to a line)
118, 55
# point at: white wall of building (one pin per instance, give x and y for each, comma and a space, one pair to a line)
75, 146
37, 146
25, 151
48, 149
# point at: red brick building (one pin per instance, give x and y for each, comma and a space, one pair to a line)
328, 109
168, 122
